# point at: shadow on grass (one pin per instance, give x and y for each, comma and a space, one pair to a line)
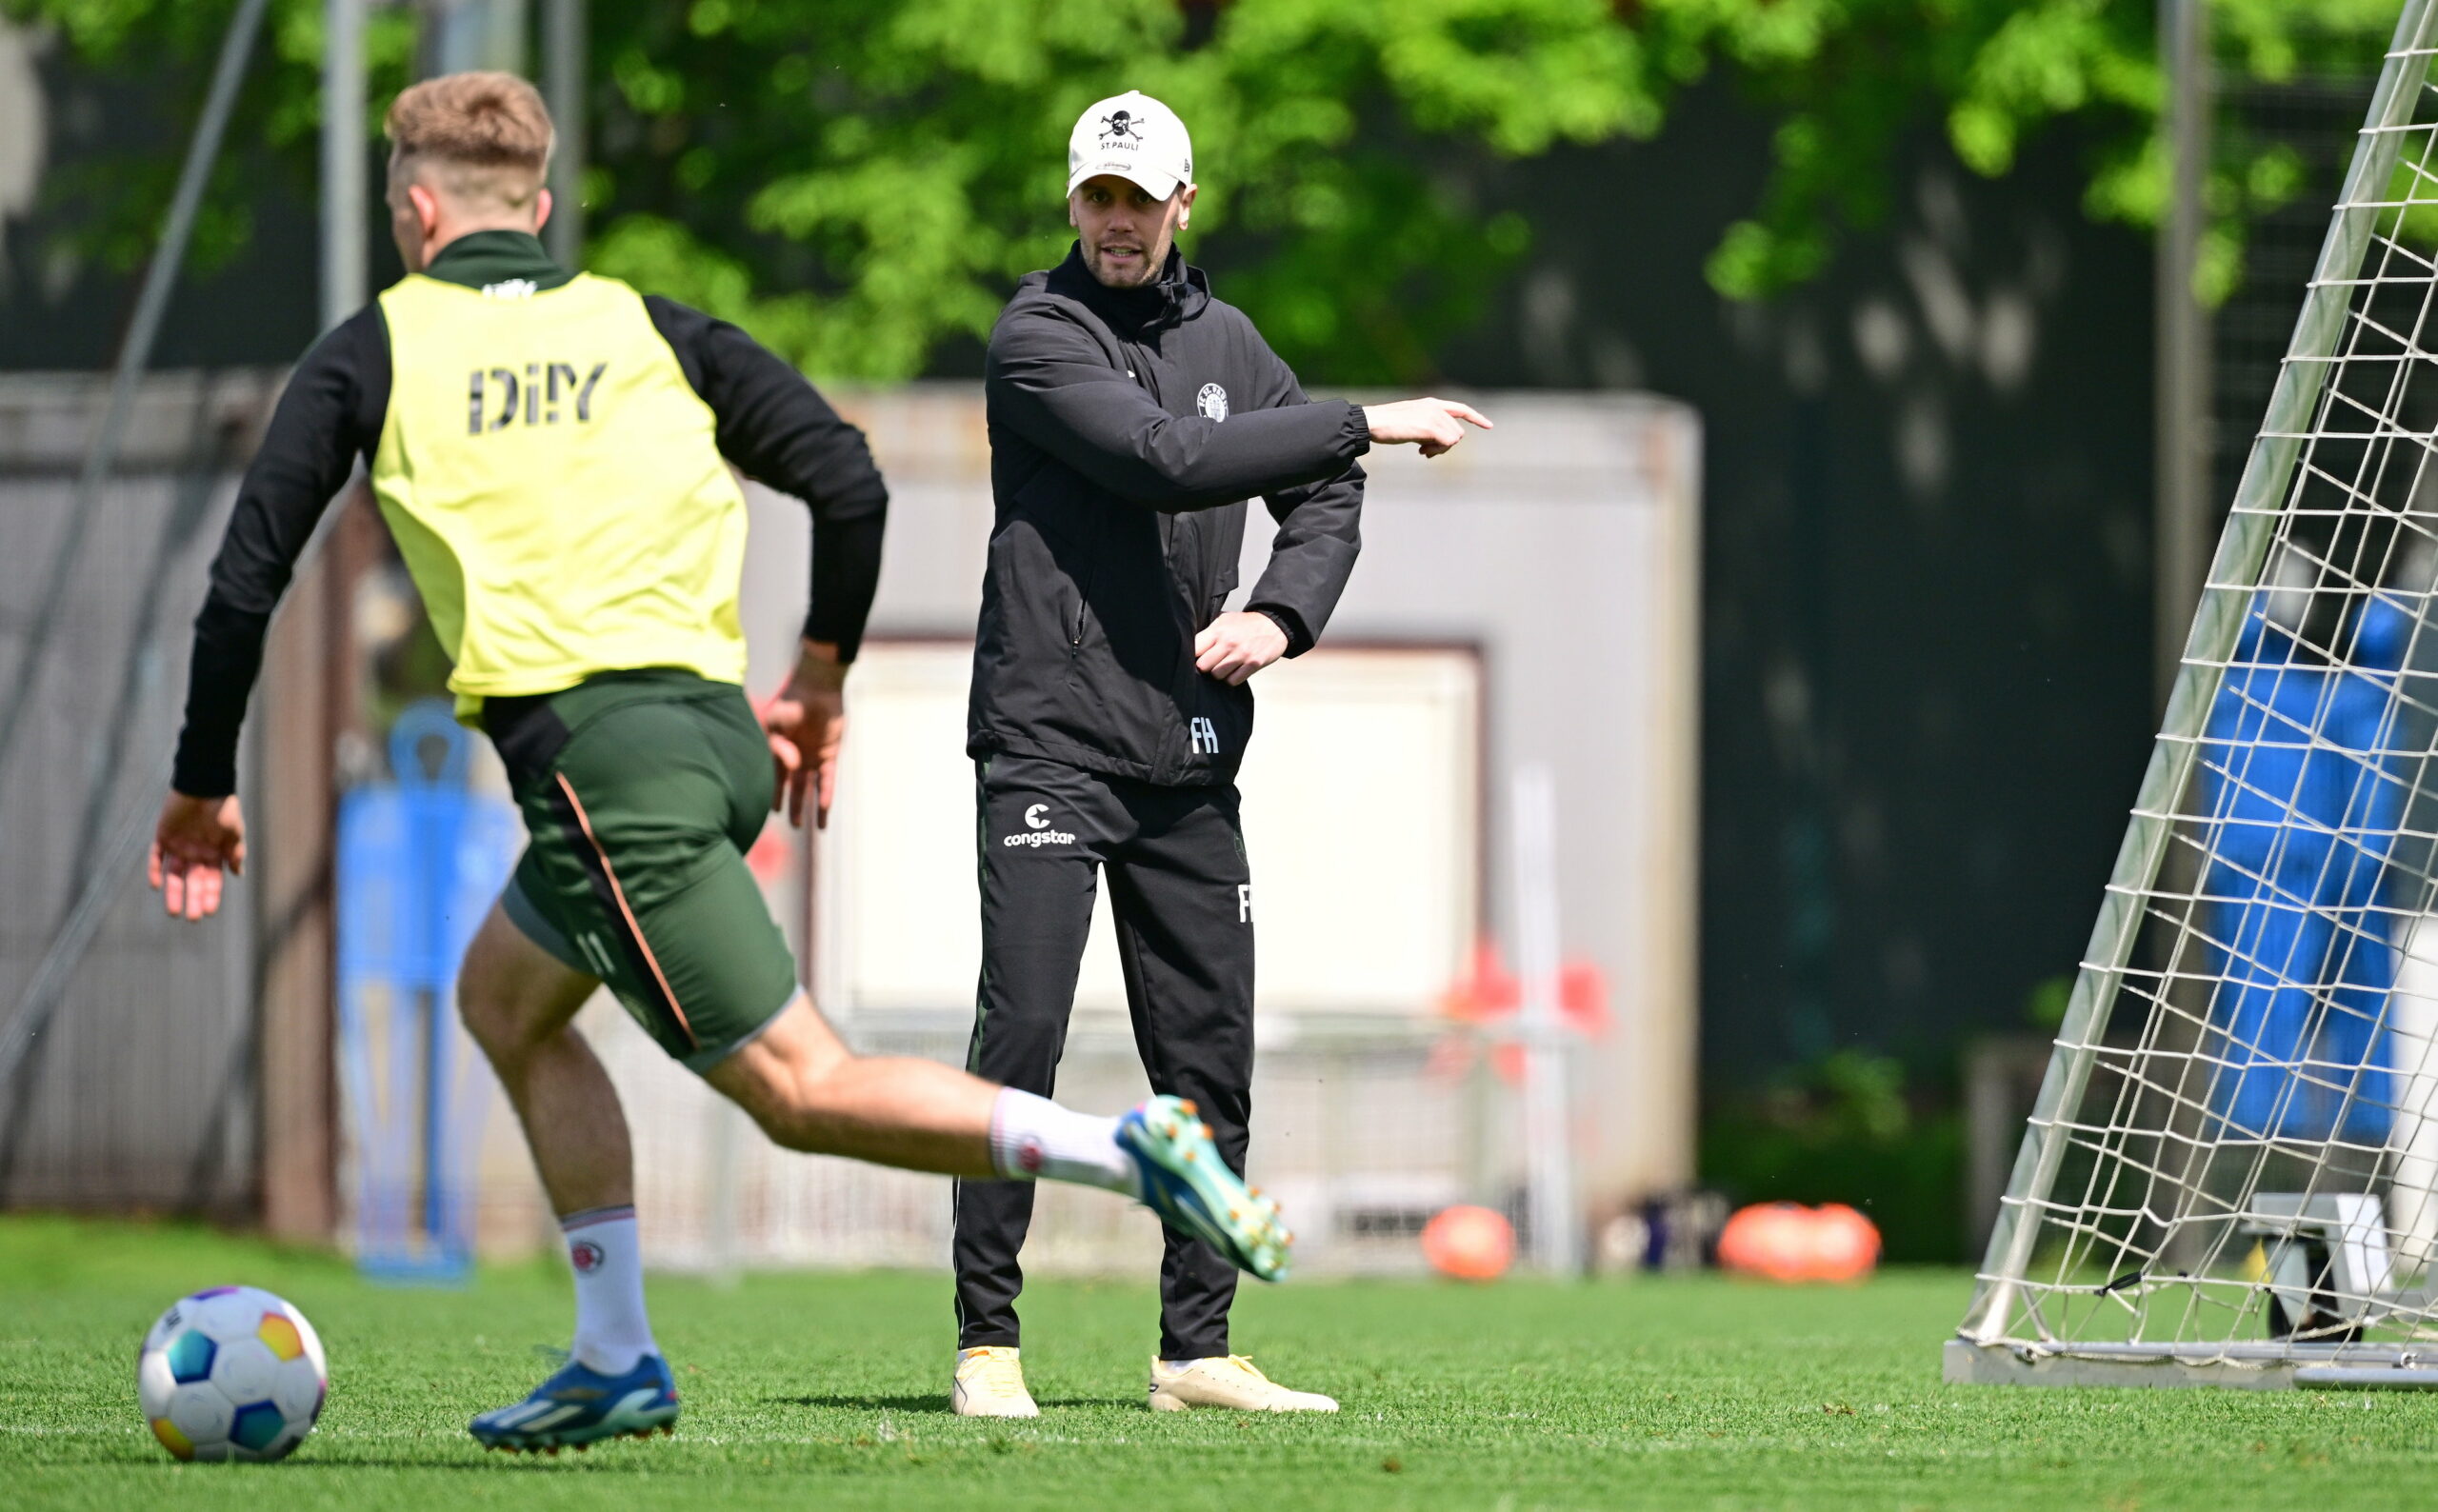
344, 1462
1135, 1403
490, 1464
936, 1405
933, 1404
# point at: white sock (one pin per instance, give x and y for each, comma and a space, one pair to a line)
611, 1331
1033, 1139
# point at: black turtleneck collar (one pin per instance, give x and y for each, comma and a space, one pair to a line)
1177, 295
480, 259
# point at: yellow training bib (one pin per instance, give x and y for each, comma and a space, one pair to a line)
555, 488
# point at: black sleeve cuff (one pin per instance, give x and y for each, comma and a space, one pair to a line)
1358, 431
227, 657
201, 780
201, 773
1289, 624
846, 574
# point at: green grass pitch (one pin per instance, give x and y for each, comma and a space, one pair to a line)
828, 1391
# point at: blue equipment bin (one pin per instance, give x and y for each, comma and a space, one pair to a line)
420, 859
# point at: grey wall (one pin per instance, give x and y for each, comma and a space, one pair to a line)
141, 1092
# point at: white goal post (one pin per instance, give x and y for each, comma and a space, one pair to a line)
2227, 1177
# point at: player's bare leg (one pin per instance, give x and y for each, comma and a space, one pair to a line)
520, 1002
797, 1079
810, 1092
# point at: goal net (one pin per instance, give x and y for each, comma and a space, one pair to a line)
2230, 1176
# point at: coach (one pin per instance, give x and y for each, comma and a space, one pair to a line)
1131, 415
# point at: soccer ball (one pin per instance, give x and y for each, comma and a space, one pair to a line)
233, 1373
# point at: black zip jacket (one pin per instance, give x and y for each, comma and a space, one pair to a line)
772, 425
1127, 428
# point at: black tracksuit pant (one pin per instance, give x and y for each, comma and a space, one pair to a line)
1182, 901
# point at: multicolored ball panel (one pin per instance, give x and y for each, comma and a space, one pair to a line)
281, 1335
190, 1356
172, 1439
257, 1428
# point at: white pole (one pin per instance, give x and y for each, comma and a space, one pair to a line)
2182, 339
504, 43
466, 34
1557, 1238
2412, 1054
343, 146
563, 72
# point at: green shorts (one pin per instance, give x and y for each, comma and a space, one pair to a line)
641, 792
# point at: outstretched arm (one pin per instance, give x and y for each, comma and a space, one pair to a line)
329, 413
1319, 534
1430, 424
1051, 383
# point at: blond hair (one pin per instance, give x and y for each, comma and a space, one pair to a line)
486, 136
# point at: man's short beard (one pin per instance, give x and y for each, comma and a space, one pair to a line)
1154, 259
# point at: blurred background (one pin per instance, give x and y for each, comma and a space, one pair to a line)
1872, 377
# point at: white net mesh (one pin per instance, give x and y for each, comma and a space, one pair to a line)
2233, 1157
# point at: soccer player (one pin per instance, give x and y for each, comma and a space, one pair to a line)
551, 453
1131, 415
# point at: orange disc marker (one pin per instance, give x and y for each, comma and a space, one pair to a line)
1844, 1244
1469, 1242
1771, 1240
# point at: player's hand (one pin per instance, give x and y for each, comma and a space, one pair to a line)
1434, 424
1234, 647
806, 722
196, 840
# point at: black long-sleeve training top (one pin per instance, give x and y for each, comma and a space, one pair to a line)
772, 425
1127, 428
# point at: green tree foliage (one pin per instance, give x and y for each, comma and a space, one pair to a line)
1845, 79
115, 201
859, 182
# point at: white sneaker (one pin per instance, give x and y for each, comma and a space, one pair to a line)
991, 1384
1226, 1380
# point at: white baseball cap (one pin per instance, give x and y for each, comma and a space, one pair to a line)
1135, 137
